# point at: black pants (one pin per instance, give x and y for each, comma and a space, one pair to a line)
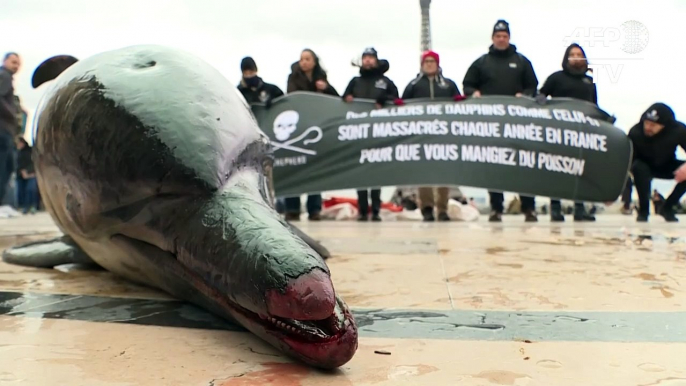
6, 161
626, 194
497, 198
363, 203
556, 206
643, 175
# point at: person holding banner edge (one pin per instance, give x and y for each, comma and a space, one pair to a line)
502, 71
570, 82
307, 74
371, 84
430, 83
655, 139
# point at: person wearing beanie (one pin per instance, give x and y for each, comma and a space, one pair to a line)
430, 83
253, 88
655, 139
570, 82
502, 71
371, 84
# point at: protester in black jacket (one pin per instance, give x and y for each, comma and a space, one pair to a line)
430, 83
655, 139
570, 82
502, 71
253, 88
371, 84
307, 74
8, 119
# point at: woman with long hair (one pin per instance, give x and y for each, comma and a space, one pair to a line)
307, 74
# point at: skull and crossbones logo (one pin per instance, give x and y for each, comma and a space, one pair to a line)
285, 124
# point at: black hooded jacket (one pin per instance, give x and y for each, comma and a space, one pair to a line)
658, 151
373, 84
8, 110
501, 72
571, 82
263, 92
423, 87
298, 81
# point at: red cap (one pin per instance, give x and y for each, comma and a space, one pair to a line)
432, 54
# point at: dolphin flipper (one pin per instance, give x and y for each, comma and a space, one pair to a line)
314, 244
47, 253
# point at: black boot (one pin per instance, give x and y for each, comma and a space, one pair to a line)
428, 213
668, 213
642, 215
580, 214
557, 216
496, 217
443, 216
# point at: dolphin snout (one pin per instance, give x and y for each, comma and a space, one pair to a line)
308, 297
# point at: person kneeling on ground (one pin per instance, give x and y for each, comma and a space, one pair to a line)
655, 139
430, 83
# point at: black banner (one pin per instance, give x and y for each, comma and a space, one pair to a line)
565, 148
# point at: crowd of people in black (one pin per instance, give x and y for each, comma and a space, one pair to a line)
501, 71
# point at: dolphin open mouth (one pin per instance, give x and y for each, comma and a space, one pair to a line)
318, 332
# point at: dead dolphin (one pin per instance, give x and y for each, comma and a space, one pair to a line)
152, 165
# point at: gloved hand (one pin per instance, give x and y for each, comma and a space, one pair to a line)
541, 99
398, 102
382, 99
459, 97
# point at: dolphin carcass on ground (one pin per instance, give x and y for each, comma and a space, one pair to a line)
152, 165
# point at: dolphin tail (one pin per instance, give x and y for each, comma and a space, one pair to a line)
51, 68
47, 253
319, 248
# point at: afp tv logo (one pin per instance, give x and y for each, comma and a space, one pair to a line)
630, 38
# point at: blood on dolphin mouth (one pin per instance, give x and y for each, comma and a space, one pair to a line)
325, 336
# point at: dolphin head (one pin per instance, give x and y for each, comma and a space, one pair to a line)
152, 161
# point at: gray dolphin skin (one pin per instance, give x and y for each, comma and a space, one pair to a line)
152, 165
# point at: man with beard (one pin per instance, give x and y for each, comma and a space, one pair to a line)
371, 84
502, 71
570, 82
655, 138
253, 88
430, 83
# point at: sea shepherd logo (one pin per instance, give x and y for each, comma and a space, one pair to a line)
285, 125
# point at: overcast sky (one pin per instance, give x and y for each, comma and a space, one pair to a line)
274, 32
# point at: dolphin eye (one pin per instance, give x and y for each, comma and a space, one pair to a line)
151, 63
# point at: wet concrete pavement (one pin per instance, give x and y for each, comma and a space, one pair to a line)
468, 304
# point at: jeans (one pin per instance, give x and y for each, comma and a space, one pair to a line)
6, 161
643, 175
314, 204
27, 194
626, 194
